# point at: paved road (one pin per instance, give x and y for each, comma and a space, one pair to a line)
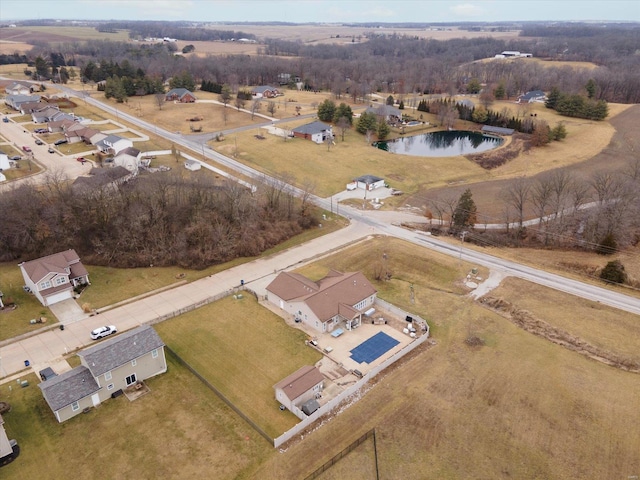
50, 345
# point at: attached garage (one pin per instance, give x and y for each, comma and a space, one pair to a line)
58, 297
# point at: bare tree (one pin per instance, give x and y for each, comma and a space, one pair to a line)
160, 100
255, 107
516, 196
239, 102
343, 125
271, 108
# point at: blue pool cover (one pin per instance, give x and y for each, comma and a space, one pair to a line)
372, 348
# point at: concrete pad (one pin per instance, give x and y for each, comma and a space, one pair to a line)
68, 311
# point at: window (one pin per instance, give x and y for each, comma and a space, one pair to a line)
75, 406
154, 353
133, 362
107, 376
110, 386
61, 280
45, 285
131, 379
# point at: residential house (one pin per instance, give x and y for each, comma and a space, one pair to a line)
52, 278
338, 297
389, 113
50, 113
286, 78
317, 132
298, 388
100, 180
128, 158
534, 96
113, 144
76, 132
265, 91
22, 88
368, 182
4, 162
28, 108
14, 101
8, 448
106, 368
181, 95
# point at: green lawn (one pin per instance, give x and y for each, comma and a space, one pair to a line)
179, 430
243, 350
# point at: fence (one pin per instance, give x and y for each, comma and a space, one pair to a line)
201, 303
220, 395
348, 392
401, 313
330, 463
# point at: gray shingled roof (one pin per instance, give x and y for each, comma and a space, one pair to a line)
312, 128
368, 179
499, 130
69, 387
119, 350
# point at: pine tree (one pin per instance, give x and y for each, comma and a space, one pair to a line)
465, 214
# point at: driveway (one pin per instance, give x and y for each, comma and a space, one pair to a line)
68, 311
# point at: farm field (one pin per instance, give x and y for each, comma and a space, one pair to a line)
243, 349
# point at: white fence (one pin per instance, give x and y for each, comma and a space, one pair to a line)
353, 389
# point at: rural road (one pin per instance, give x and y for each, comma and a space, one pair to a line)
52, 344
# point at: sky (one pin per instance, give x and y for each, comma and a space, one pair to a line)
323, 11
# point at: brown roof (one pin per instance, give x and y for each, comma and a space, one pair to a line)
334, 294
57, 263
300, 381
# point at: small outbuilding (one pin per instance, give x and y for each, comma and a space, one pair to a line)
315, 131
369, 182
192, 165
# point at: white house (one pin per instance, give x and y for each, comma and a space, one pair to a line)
52, 278
192, 165
368, 182
317, 132
338, 297
4, 162
106, 368
113, 144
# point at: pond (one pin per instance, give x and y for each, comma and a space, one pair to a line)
441, 144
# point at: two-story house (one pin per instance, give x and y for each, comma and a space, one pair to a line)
106, 368
52, 278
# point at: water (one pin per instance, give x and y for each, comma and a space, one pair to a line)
441, 144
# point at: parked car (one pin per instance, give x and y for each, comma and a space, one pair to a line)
103, 332
39, 142
81, 160
51, 150
41, 130
47, 373
60, 142
5, 119
26, 149
15, 158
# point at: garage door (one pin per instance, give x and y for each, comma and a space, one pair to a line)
58, 297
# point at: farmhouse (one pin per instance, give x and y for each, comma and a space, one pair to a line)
299, 388
181, 95
105, 369
52, 278
317, 132
265, 91
387, 112
338, 297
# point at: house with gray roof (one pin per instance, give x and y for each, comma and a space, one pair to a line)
315, 131
388, 112
181, 95
113, 144
106, 368
265, 91
532, 97
322, 305
368, 182
52, 278
14, 101
100, 180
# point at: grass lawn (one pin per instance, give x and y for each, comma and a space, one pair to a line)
179, 430
243, 350
16, 322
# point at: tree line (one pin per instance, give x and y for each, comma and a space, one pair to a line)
160, 219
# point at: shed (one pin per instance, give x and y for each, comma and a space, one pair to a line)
369, 182
310, 406
192, 165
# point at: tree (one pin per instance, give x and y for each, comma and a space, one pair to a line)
326, 110
559, 132
239, 102
366, 122
608, 245
516, 195
225, 95
541, 134
500, 92
175, 153
271, 108
591, 87
486, 98
614, 272
480, 115
160, 99
465, 214
183, 80
343, 124
390, 100
553, 98
401, 105
474, 86
383, 130
42, 68
343, 111
255, 107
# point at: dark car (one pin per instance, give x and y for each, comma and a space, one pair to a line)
51, 150
5, 119
60, 142
15, 158
39, 142
41, 130
47, 373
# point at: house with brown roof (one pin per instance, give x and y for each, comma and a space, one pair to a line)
265, 91
296, 390
52, 278
181, 95
323, 305
107, 368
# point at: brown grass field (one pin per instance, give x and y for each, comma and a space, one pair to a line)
516, 407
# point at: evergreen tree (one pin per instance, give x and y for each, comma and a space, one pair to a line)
367, 121
465, 214
342, 111
559, 132
500, 92
614, 272
326, 110
390, 100
591, 87
383, 130
552, 98
473, 86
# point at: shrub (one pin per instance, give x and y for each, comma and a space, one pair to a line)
614, 272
